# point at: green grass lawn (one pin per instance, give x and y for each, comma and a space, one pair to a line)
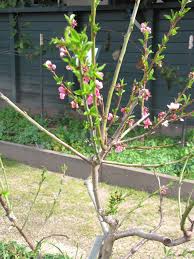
75, 217
17, 129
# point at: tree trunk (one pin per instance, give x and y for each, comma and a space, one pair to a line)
107, 248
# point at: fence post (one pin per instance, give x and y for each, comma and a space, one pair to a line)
12, 28
154, 20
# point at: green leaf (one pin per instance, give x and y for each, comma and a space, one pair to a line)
58, 79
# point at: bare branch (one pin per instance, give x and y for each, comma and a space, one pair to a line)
152, 236
142, 242
134, 125
25, 115
13, 221
179, 187
184, 217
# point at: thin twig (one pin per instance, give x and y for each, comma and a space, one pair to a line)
134, 125
35, 198
119, 63
13, 221
179, 187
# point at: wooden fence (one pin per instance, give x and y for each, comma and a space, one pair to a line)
20, 77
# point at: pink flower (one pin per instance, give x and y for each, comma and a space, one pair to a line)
68, 67
131, 122
86, 79
145, 28
74, 105
50, 65
110, 116
163, 190
54, 67
145, 94
147, 123
62, 54
97, 93
119, 148
73, 23
62, 92
173, 117
145, 111
191, 76
100, 74
161, 115
85, 68
99, 84
165, 123
173, 106
62, 49
90, 99
123, 110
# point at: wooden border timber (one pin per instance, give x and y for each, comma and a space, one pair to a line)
136, 178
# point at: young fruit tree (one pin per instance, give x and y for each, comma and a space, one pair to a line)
110, 125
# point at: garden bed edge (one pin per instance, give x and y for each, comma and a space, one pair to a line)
122, 176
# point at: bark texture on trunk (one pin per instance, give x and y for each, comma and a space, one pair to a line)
107, 248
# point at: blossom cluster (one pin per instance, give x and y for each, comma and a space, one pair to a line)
145, 29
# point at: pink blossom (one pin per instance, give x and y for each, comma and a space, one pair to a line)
54, 67
145, 94
74, 105
119, 148
62, 54
85, 68
50, 65
100, 74
165, 123
62, 49
163, 190
191, 76
68, 67
145, 111
99, 84
161, 115
90, 99
123, 110
147, 123
97, 92
173, 117
131, 122
73, 23
62, 92
86, 79
110, 116
173, 106
62, 96
145, 28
